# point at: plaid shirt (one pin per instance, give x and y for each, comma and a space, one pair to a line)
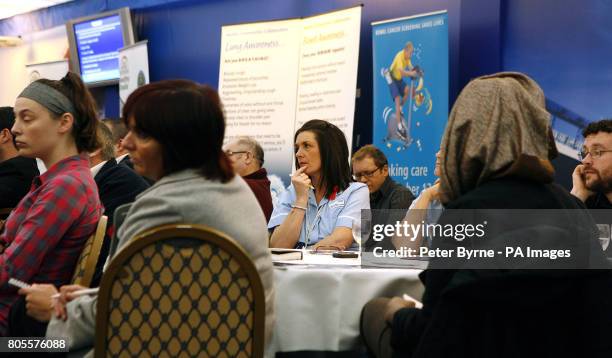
45, 234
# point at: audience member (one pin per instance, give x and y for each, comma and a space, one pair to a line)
592, 179
370, 167
16, 172
322, 203
498, 144
247, 158
43, 238
388, 199
176, 131
118, 129
117, 185
426, 208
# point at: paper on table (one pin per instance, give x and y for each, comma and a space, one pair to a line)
286, 254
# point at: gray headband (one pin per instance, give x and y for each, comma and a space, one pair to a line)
49, 97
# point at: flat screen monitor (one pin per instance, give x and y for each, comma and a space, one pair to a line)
94, 45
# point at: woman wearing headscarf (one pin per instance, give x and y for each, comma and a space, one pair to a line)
498, 145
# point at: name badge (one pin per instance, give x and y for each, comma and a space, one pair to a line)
336, 203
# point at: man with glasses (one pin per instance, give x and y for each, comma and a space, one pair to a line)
592, 179
247, 158
370, 167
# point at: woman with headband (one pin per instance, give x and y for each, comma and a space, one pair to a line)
44, 235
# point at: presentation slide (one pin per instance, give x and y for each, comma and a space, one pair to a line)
98, 44
328, 66
276, 75
257, 84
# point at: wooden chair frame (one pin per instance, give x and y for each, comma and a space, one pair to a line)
93, 257
174, 231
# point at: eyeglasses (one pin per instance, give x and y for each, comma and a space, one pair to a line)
369, 174
230, 153
595, 153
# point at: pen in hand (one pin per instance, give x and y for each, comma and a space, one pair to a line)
88, 291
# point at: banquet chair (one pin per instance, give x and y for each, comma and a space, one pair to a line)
180, 290
86, 265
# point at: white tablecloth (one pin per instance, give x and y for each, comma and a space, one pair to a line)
318, 306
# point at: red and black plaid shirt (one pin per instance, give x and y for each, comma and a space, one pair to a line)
44, 236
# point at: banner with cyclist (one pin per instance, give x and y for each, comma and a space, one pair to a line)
410, 79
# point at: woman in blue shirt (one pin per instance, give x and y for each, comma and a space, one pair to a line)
322, 202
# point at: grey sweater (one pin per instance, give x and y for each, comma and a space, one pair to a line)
184, 197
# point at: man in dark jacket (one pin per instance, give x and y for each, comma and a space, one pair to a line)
247, 158
117, 184
370, 166
16, 173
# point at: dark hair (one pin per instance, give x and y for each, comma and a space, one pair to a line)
7, 120
107, 146
333, 149
84, 129
605, 125
380, 160
117, 127
187, 119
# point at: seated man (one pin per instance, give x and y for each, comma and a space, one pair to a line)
118, 131
387, 197
117, 185
16, 172
247, 158
370, 166
592, 179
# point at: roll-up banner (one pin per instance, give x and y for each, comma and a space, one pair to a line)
133, 69
53, 70
410, 77
276, 75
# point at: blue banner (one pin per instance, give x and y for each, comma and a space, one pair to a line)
410, 64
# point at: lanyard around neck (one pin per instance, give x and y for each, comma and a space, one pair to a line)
314, 222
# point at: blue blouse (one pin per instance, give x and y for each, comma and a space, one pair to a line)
321, 220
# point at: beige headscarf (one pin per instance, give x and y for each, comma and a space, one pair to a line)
498, 127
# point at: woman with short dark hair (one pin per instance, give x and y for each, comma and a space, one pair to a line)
43, 237
176, 131
322, 203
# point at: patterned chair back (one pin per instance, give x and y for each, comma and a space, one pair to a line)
86, 266
180, 291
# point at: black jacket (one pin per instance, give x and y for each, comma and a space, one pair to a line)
16, 176
117, 185
510, 313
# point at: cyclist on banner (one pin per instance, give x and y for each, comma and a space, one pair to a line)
402, 67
